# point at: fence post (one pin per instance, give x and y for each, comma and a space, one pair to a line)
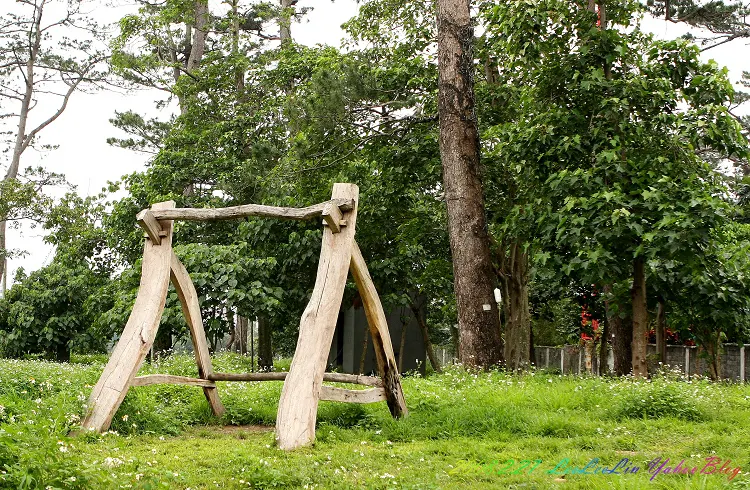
562, 360
742, 364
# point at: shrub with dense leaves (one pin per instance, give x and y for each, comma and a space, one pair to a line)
46, 312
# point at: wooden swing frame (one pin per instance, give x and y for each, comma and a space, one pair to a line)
303, 384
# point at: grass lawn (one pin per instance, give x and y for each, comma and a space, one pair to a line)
465, 430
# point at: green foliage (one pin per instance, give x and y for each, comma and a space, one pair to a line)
39, 403
660, 399
614, 152
226, 277
47, 312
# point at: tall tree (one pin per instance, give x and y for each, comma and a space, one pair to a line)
480, 343
41, 67
618, 146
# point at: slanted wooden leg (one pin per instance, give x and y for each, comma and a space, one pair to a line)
381, 337
140, 331
192, 311
298, 406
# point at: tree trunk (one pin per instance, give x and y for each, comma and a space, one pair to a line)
285, 21
265, 344
239, 76
22, 140
622, 335
402, 347
713, 354
199, 35
480, 343
241, 333
5, 269
518, 326
661, 331
640, 318
232, 338
426, 338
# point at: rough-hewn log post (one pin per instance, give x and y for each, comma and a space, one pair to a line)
381, 337
192, 311
298, 406
139, 332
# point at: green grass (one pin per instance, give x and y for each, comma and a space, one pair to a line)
462, 430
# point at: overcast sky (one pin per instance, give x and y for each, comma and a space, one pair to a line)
89, 163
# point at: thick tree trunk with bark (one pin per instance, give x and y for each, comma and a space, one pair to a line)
200, 33
241, 335
265, 344
479, 326
621, 332
238, 335
640, 318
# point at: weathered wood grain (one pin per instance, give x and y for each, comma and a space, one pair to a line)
295, 421
232, 212
281, 376
192, 311
332, 217
146, 220
381, 337
332, 394
156, 379
139, 332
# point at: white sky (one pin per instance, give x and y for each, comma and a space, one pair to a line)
88, 162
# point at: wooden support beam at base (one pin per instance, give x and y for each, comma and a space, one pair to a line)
281, 376
155, 379
192, 311
332, 394
213, 214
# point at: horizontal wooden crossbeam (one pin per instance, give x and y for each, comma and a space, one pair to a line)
156, 379
281, 376
327, 393
331, 394
211, 214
